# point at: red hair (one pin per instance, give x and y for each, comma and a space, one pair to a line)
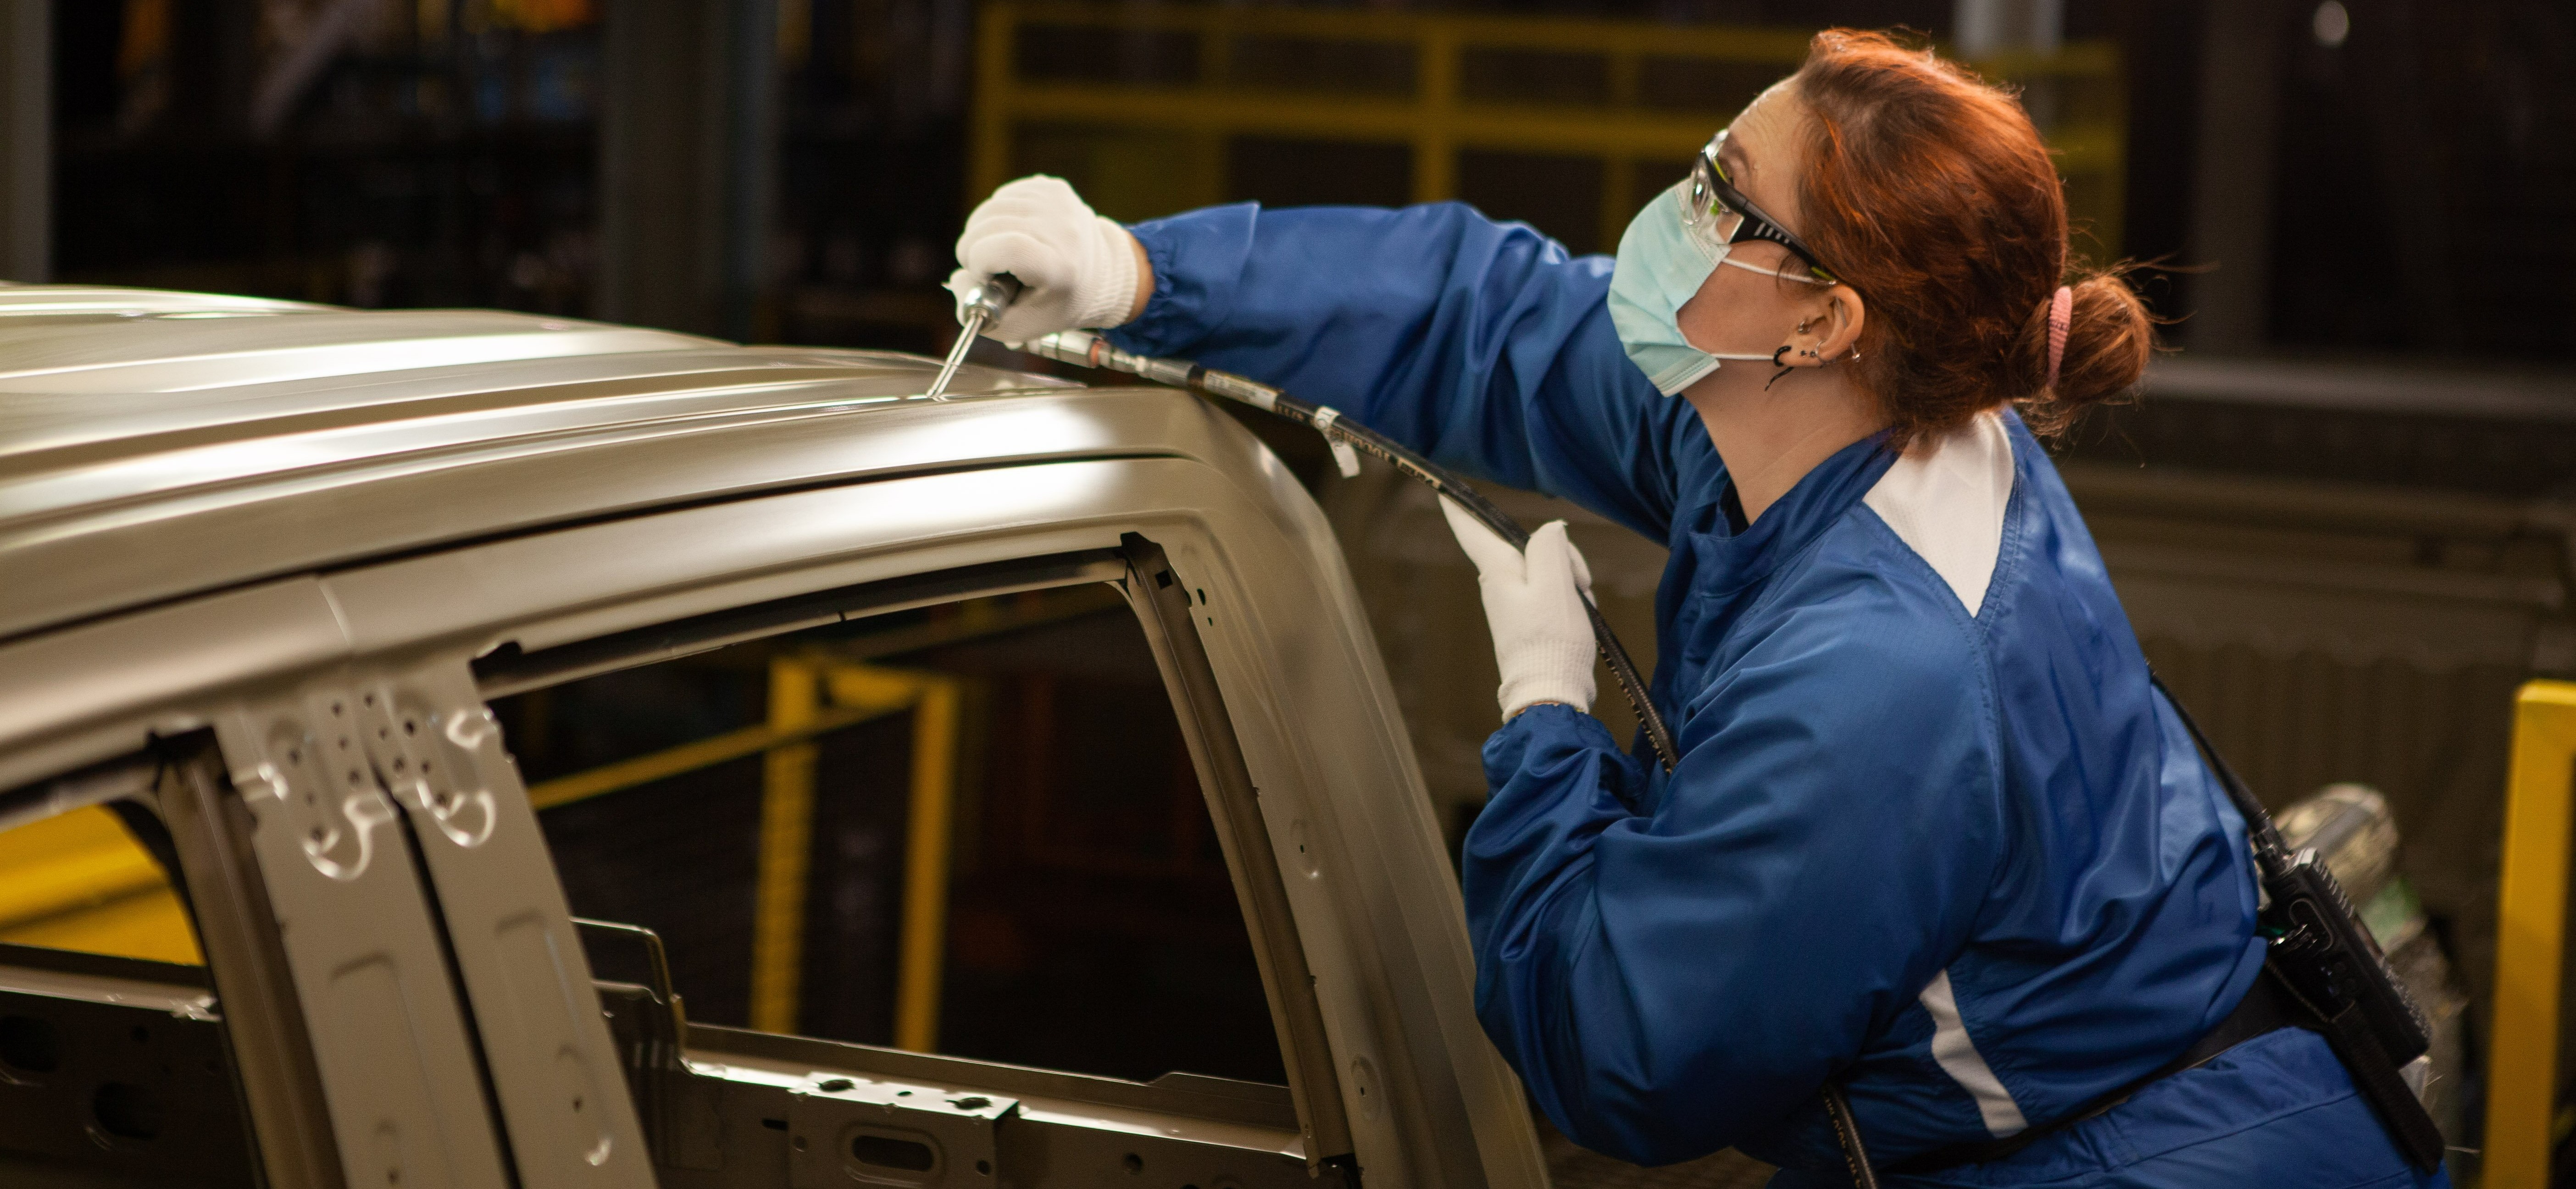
1930, 193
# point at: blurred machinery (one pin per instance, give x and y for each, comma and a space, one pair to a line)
1569, 124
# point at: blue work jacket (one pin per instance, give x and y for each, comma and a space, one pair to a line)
1932, 833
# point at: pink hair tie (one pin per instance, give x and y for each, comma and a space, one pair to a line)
2061, 314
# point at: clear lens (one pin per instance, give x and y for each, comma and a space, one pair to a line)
1702, 221
1703, 212
1715, 225
1700, 203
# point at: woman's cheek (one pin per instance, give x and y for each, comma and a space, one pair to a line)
1713, 319
1700, 320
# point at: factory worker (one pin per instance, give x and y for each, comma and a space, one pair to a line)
1932, 837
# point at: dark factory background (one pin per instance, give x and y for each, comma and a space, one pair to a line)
814, 154
2341, 518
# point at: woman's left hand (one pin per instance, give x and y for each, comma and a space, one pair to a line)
1534, 604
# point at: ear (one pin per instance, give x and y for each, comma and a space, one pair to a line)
1830, 324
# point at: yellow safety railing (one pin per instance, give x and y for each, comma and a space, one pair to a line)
1446, 86
811, 696
2531, 937
80, 882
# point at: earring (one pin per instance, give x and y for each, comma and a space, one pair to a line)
1802, 324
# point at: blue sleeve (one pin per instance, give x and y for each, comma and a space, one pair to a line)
1668, 982
1481, 344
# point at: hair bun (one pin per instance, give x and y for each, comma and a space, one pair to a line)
2108, 339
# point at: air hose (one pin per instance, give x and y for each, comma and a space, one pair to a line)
1348, 440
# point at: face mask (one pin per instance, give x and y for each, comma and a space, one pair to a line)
1661, 267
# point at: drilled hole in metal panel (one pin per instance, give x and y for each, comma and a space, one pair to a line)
30, 1044
127, 1110
888, 1152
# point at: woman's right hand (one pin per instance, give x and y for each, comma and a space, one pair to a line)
1078, 269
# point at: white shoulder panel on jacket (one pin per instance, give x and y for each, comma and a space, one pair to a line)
1946, 499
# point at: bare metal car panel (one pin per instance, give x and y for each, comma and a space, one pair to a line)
286, 526
217, 450
394, 1048
201, 354
99, 302
1361, 858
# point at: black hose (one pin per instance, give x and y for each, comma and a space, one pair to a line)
1847, 1135
1084, 349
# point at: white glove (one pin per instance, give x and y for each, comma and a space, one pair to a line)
1079, 268
1534, 604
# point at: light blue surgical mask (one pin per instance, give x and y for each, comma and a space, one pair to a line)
1662, 266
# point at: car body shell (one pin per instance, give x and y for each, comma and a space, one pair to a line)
218, 514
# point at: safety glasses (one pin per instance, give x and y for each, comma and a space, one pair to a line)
1712, 200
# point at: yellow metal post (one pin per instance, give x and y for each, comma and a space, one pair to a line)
786, 846
2531, 936
925, 885
1203, 169
797, 716
1435, 136
1619, 202
921, 946
996, 28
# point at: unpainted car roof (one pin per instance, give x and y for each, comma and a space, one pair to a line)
153, 444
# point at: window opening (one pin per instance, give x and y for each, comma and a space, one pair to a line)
84, 881
971, 828
115, 1069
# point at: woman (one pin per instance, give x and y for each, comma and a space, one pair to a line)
1932, 837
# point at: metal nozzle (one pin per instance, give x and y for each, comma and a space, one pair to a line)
980, 306
990, 298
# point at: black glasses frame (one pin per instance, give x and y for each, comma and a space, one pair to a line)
1712, 194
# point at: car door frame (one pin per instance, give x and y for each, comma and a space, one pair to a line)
1366, 881
1367, 885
